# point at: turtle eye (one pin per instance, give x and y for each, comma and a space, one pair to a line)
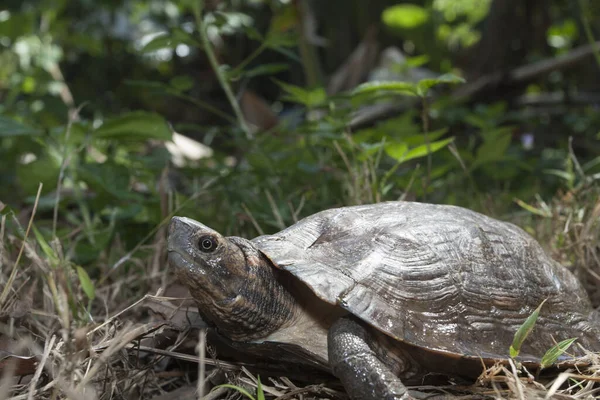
207, 244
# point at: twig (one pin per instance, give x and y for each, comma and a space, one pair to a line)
65, 161
2, 228
49, 346
519, 75
518, 386
310, 62
15, 268
202, 104
253, 220
201, 348
425, 118
108, 321
275, 210
255, 53
216, 394
525, 73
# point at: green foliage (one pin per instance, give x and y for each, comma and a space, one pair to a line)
553, 353
420, 88
524, 330
405, 16
86, 283
459, 20
135, 126
401, 153
563, 34
308, 98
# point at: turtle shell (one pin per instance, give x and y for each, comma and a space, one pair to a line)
439, 277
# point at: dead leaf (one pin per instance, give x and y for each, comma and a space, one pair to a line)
21, 365
257, 111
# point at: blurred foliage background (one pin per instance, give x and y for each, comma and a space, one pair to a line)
292, 107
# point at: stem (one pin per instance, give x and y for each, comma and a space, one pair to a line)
425, 119
15, 268
588, 32
202, 104
307, 52
251, 57
210, 53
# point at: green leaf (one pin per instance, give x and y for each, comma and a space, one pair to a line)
260, 395
524, 331
182, 83
283, 39
416, 140
424, 85
309, 98
86, 283
163, 41
234, 387
136, 125
396, 87
396, 150
399, 151
556, 351
532, 209
48, 251
266, 69
566, 175
590, 165
424, 149
170, 41
10, 127
405, 16
417, 61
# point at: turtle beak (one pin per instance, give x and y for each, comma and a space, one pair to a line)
180, 242
178, 232
182, 232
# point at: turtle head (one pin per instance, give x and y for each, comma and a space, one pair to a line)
231, 280
213, 267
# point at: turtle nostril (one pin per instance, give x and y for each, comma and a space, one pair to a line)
173, 225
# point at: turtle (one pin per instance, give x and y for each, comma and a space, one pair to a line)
384, 294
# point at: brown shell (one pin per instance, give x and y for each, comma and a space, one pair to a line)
439, 277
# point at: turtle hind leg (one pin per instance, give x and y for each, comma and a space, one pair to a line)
354, 360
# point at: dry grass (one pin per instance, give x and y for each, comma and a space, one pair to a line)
55, 343
571, 232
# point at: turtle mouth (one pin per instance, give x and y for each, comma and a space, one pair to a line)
178, 260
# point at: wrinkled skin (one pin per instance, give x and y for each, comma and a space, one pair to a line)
396, 289
232, 282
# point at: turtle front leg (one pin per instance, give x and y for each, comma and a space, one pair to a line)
355, 362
